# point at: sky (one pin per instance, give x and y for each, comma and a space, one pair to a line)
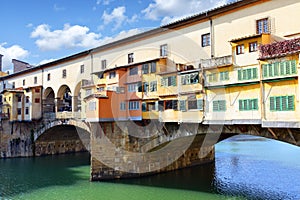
41, 31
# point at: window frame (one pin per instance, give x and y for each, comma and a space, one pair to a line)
130, 57
163, 50
240, 49
205, 40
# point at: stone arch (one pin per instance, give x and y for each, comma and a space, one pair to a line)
62, 138
64, 99
49, 101
77, 98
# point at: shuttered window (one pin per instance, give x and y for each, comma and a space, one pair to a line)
168, 81
282, 103
219, 105
284, 68
182, 105
248, 104
224, 76
247, 74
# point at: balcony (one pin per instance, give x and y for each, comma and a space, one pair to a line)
216, 62
279, 49
87, 83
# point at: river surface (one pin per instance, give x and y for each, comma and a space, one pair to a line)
246, 167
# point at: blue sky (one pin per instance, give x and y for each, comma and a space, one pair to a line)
39, 31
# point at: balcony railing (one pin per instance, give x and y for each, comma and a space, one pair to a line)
279, 48
216, 62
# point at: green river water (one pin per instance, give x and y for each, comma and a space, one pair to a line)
245, 168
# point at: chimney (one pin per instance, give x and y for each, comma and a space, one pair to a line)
20, 65
1, 62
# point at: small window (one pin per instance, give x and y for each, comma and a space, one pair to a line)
37, 100
37, 90
27, 99
205, 40
64, 73
145, 68
23, 82
35, 80
240, 49
252, 47
48, 77
19, 98
153, 86
112, 75
4, 85
13, 85
130, 58
153, 67
81, 69
133, 71
122, 106
262, 26
192, 105
164, 50
26, 111
19, 111
134, 105
219, 105
103, 64
171, 104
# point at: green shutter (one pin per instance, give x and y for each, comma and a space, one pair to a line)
249, 74
200, 104
272, 103
291, 103
288, 67
164, 81
255, 104
284, 103
144, 107
215, 106
241, 105
282, 68
173, 80
182, 105
276, 68
278, 105
239, 74
255, 73
265, 70
294, 66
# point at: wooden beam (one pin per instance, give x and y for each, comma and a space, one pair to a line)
291, 135
272, 132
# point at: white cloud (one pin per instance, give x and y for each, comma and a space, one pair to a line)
46, 61
68, 37
172, 10
118, 17
9, 53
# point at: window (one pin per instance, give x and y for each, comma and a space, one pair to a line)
262, 26
247, 74
35, 80
132, 87
81, 69
153, 86
161, 105
282, 103
120, 90
100, 89
188, 79
64, 73
240, 49
19, 98
182, 105
23, 82
283, 68
171, 104
219, 105
19, 111
134, 105
212, 77
145, 87
133, 71
4, 85
26, 111
164, 50
123, 106
48, 77
168, 81
37, 100
205, 40
88, 92
103, 64
13, 85
92, 106
224, 76
27, 99
37, 90
130, 58
200, 104
112, 75
153, 67
248, 104
192, 104
252, 47
145, 68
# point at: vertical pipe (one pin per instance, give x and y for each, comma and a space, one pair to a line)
212, 41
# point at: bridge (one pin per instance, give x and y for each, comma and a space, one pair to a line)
160, 100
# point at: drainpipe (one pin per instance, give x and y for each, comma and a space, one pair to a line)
212, 41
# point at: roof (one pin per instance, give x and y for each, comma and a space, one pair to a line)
180, 23
248, 37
